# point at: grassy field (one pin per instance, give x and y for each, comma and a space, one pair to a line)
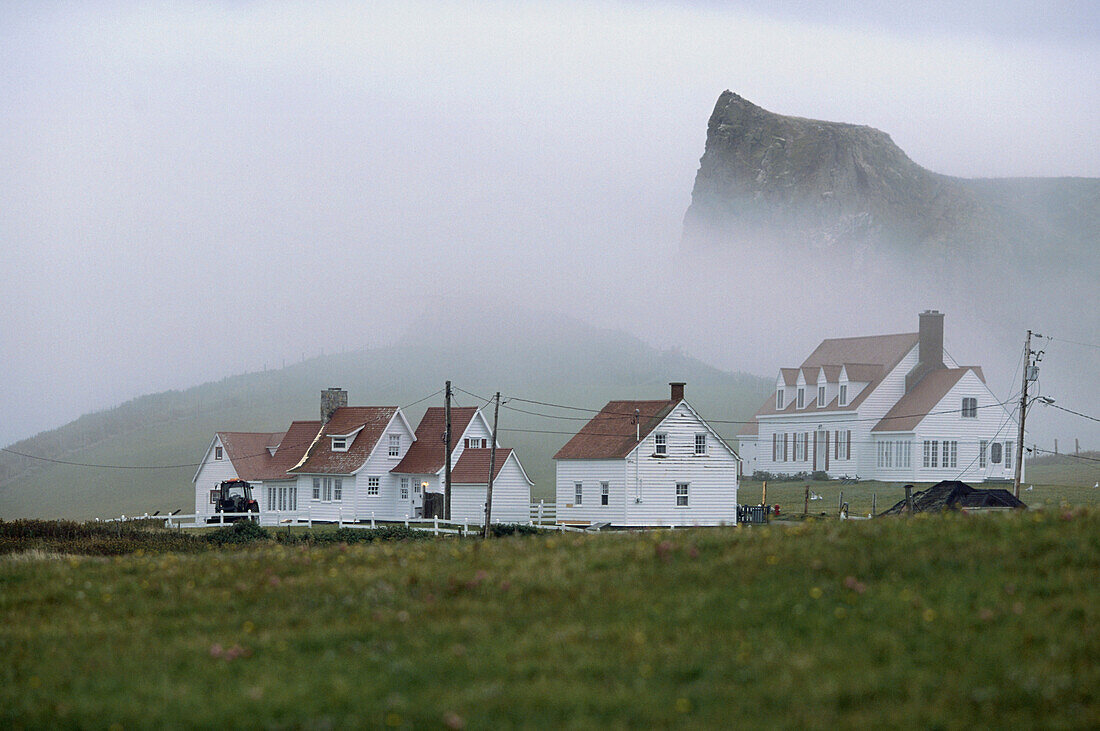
937, 621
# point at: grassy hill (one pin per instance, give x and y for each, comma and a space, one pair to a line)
534, 357
937, 622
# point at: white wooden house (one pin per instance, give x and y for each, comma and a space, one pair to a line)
364, 462
647, 463
896, 408
422, 469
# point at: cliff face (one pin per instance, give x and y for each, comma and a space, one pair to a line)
811, 184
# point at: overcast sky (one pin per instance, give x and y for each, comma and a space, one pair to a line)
191, 190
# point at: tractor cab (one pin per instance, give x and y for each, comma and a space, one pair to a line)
233, 496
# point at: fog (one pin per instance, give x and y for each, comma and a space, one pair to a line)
191, 190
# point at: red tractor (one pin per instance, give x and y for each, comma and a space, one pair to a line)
233, 496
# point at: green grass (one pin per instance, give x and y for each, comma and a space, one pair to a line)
949, 621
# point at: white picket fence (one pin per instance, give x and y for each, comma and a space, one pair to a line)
542, 515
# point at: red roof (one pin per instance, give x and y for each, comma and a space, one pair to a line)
427, 454
613, 433
370, 421
472, 467
911, 409
291, 449
248, 451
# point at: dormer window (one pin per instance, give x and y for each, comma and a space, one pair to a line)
339, 444
475, 443
779, 399
843, 397
801, 397
970, 408
820, 397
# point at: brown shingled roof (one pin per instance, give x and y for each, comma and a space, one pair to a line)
426, 455
370, 420
911, 408
248, 451
292, 447
472, 467
612, 433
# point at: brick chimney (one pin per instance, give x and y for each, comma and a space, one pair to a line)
677, 390
332, 399
929, 348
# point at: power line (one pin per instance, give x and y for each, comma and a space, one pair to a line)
1066, 454
1069, 411
1075, 342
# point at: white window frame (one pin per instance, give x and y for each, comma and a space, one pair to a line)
395, 445
701, 444
801, 398
842, 396
969, 407
820, 397
660, 444
374, 483
578, 493
983, 447
337, 489
339, 444
605, 492
218, 453
404, 488
778, 399
316, 488
1009, 456
682, 494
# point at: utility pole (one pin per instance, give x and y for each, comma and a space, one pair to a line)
492, 468
1030, 374
447, 466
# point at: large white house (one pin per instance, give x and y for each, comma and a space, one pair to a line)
647, 463
364, 462
896, 408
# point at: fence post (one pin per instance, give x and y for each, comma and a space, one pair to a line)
465, 526
406, 520
309, 515
339, 516
909, 499
435, 523
372, 519
806, 502
874, 503
840, 502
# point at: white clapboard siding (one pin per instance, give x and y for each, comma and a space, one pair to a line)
511, 498
211, 473
590, 473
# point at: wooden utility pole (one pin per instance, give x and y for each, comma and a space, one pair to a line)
909, 499
764, 493
1023, 413
447, 466
492, 469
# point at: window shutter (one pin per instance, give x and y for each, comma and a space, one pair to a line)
784, 446
836, 445
848, 445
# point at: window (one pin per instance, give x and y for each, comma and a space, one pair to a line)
326, 489
270, 499
339, 444
950, 454
404, 488
843, 398
970, 408
338, 489
474, 443
292, 497
660, 444
901, 457
700, 444
935, 453
927, 454
578, 493
820, 396
217, 452
983, 447
995, 452
779, 399
372, 485
681, 494
605, 493
316, 488
775, 447
801, 397
1008, 455
395, 445
420, 487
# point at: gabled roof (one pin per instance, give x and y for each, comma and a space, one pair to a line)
809, 374
472, 467
790, 375
248, 451
369, 422
866, 360
292, 447
427, 454
613, 432
911, 408
832, 373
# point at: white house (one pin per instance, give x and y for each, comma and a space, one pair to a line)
364, 462
647, 463
422, 469
896, 408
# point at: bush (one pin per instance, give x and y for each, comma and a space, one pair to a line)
243, 531
354, 535
93, 539
514, 529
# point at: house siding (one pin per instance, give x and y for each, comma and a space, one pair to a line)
511, 498
211, 474
590, 473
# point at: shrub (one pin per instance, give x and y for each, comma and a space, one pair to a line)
243, 531
514, 529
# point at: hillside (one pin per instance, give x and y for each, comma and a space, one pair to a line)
813, 184
535, 357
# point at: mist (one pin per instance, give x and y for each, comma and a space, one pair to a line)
195, 190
